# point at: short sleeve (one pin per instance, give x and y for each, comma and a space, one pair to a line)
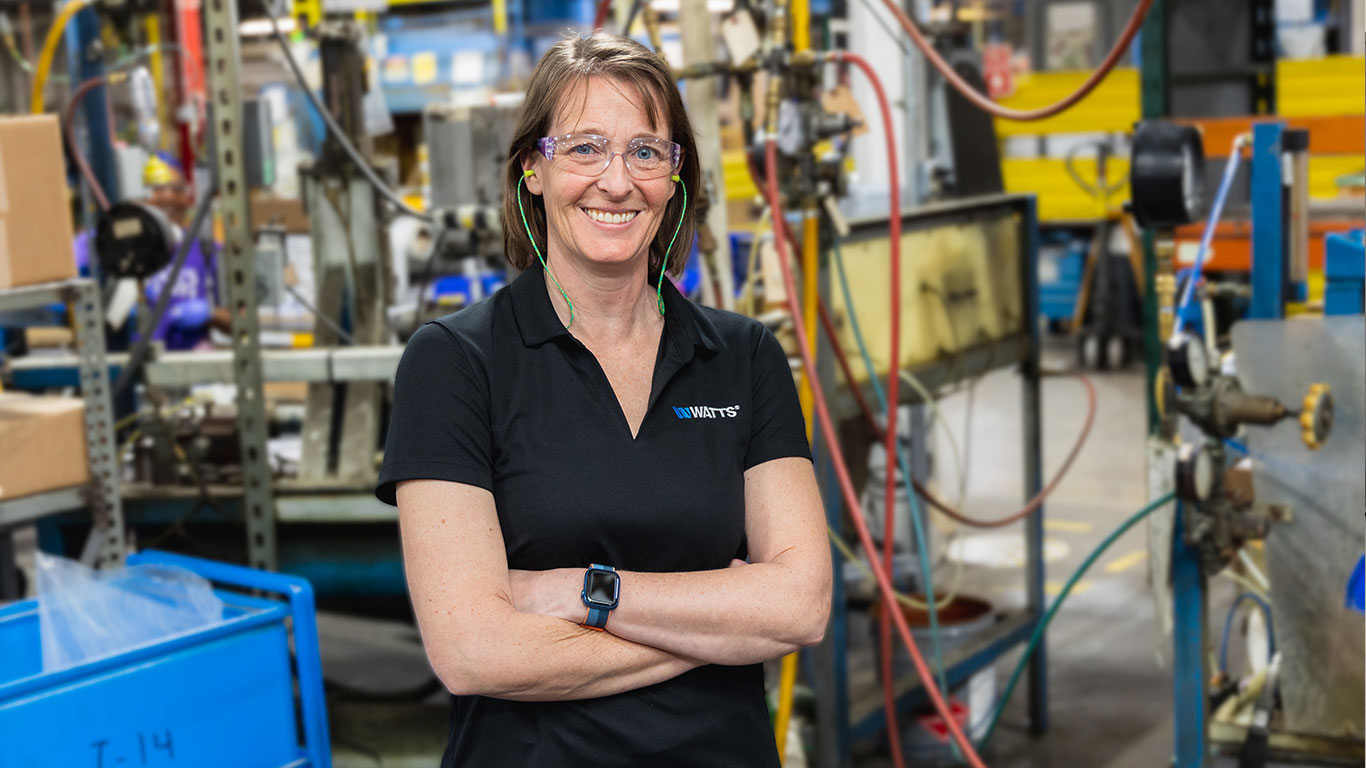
778, 429
439, 425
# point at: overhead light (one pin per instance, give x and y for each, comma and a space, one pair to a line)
260, 27
713, 6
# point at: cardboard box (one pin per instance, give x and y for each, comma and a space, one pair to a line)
279, 211
42, 444
35, 211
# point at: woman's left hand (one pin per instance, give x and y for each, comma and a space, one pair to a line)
552, 593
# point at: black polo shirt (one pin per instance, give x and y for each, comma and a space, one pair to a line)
503, 397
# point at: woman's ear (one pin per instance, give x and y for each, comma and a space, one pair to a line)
532, 181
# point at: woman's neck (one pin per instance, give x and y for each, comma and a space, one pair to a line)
610, 305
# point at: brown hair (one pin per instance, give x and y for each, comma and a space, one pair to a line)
574, 59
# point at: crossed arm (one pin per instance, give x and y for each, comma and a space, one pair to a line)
515, 634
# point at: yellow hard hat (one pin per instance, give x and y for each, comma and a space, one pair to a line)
158, 172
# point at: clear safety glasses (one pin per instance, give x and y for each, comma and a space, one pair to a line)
587, 154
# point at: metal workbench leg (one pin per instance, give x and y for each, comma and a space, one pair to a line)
101, 451
1188, 649
224, 67
831, 657
1033, 474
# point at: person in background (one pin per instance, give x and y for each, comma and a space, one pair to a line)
192, 310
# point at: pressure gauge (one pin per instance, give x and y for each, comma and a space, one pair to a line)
1188, 362
1195, 474
135, 240
1167, 174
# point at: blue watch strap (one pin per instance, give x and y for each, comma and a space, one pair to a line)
597, 618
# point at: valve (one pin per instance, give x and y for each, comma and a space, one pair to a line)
1316, 415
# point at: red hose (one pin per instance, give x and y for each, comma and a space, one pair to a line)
1022, 115
846, 483
605, 5
893, 382
827, 426
77, 156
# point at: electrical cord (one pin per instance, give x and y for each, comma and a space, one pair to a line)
1228, 627
336, 130
1023, 115
320, 317
138, 354
1036, 638
69, 123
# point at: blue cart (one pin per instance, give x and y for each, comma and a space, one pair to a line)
221, 696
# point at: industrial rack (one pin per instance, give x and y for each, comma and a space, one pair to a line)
30, 305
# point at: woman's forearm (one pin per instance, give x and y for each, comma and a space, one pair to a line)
525, 657
738, 615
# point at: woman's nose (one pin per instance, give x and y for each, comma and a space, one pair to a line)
616, 179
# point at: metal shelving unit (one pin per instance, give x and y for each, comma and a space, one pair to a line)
101, 496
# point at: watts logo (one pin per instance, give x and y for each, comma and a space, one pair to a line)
706, 412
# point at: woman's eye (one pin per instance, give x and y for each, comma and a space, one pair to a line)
646, 153
583, 149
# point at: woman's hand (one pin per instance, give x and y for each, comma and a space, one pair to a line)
554, 593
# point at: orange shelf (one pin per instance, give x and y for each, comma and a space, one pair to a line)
1231, 248
1334, 135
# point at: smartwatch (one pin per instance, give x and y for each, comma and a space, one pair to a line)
601, 593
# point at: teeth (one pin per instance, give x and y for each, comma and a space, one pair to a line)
611, 218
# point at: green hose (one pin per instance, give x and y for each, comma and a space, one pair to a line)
1053, 609
926, 568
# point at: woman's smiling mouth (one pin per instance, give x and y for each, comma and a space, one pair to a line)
607, 217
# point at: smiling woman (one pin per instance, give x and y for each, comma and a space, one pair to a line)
598, 565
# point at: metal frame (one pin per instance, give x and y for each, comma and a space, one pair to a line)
1268, 223
859, 715
239, 258
82, 298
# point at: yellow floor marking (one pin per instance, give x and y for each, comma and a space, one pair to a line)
1067, 526
1053, 588
1125, 562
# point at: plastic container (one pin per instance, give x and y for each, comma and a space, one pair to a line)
925, 740
220, 696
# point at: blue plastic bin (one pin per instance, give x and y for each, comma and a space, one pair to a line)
221, 696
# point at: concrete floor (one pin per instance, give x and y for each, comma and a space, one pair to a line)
1109, 674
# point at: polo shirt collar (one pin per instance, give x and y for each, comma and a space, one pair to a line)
538, 323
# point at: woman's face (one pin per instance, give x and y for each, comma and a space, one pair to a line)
612, 109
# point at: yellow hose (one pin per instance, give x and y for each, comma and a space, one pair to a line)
50, 43
801, 26
152, 29
810, 289
810, 302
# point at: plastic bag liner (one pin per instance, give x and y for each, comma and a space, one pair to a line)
85, 614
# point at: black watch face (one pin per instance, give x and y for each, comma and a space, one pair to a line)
601, 588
